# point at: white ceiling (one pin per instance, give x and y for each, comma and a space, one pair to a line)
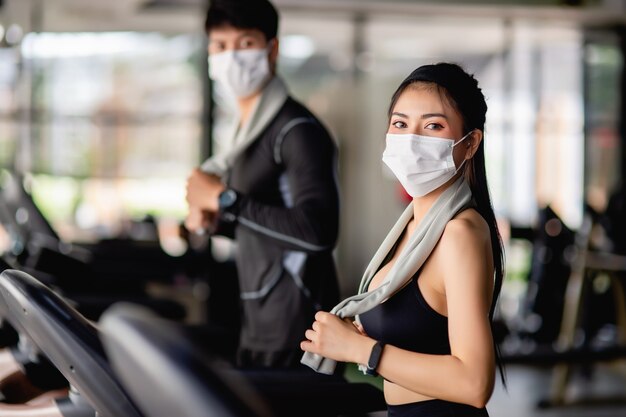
187, 15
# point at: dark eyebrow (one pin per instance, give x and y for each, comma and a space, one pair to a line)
423, 116
248, 33
428, 115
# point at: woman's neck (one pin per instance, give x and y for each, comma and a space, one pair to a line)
421, 205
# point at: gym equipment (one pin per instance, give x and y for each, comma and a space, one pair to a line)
143, 347
579, 293
70, 342
92, 275
143, 350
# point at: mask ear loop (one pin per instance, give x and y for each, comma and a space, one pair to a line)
463, 164
463, 138
470, 165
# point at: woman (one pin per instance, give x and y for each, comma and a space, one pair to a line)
427, 299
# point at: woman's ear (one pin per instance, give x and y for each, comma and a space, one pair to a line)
472, 142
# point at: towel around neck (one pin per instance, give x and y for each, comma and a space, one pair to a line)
421, 243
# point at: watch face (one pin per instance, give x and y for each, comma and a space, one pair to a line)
227, 198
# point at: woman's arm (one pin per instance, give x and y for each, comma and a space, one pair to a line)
467, 375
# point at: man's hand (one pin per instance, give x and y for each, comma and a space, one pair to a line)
198, 221
203, 190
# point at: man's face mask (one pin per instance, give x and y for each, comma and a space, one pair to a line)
421, 163
242, 72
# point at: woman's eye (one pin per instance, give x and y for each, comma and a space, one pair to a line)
398, 124
434, 126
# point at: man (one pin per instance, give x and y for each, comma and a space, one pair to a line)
274, 191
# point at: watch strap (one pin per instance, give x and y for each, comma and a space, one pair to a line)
374, 359
228, 212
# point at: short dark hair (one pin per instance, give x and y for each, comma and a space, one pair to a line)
243, 14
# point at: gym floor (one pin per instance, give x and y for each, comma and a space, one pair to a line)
599, 392
596, 392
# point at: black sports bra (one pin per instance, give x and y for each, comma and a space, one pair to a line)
407, 321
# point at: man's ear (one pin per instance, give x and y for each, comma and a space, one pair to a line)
273, 56
473, 141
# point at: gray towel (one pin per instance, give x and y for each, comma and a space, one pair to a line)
267, 106
421, 243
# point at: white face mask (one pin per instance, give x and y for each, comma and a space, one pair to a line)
241, 72
421, 163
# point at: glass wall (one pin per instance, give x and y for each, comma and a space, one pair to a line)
9, 116
603, 63
113, 126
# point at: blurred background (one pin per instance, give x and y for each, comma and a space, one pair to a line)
105, 107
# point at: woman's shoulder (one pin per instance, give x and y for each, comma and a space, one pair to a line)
464, 248
467, 228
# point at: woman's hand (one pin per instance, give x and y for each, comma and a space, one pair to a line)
339, 339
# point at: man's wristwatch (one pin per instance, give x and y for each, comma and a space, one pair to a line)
373, 361
227, 198
226, 202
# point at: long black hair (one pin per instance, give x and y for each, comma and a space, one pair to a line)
462, 92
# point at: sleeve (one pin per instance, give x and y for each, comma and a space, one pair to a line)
310, 222
215, 165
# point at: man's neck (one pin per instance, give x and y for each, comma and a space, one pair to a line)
245, 107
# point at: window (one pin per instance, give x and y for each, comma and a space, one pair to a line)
115, 127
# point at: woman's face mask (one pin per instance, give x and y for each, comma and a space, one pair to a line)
242, 72
421, 163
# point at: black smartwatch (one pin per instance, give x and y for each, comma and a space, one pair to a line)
372, 363
227, 202
227, 198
